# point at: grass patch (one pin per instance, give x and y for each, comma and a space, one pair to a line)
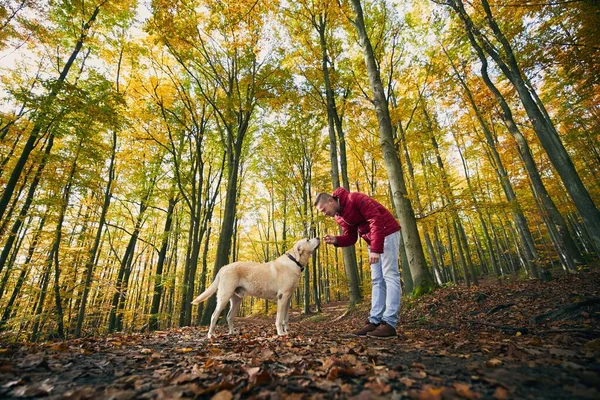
318, 318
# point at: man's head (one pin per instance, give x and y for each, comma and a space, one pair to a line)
327, 204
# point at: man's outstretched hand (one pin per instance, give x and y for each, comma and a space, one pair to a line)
330, 239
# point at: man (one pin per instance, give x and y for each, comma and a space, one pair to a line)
357, 213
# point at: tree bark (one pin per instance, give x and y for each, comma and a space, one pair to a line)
158, 276
43, 114
542, 125
422, 279
557, 225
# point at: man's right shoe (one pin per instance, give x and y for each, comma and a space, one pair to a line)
383, 331
369, 327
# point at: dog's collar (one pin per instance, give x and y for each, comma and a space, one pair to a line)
296, 261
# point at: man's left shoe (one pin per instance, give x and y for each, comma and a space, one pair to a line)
383, 331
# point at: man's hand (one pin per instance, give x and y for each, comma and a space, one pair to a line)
374, 258
330, 239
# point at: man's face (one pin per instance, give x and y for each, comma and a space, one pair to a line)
329, 207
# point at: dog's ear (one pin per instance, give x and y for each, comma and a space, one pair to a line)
297, 251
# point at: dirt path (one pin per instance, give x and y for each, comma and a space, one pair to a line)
457, 343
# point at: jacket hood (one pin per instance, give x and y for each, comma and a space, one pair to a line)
342, 195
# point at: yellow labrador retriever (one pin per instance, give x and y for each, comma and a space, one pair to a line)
273, 280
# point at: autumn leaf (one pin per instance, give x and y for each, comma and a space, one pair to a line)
378, 387
493, 363
431, 393
464, 391
258, 376
501, 393
185, 350
223, 395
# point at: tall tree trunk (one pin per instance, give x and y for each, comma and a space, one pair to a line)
8, 310
89, 266
56, 246
542, 125
115, 318
234, 155
21, 236
41, 119
486, 233
158, 276
349, 253
515, 206
422, 279
558, 226
26, 205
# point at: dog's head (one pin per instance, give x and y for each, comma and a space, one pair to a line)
303, 249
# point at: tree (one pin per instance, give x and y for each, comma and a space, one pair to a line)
422, 279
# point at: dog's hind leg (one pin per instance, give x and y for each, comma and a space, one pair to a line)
234, 306
221, 303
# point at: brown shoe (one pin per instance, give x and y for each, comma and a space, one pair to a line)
383, 331
369, 327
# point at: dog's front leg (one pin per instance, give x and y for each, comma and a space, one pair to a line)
280, 316
283, 303
286, 314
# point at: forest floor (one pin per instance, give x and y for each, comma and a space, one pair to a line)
501, 340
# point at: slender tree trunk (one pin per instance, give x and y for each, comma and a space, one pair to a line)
478, 210
120, 295
54, 253
41, 120
8, 310
557, 227
538, 116
422, 279
26, 205
515, 206
451, 254
158, 277
91, 261
349, 253
21, 236
224, 245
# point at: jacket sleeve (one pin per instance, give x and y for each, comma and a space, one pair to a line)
370, 211
349, 236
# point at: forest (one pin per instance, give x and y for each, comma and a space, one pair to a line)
144, 148
146, 144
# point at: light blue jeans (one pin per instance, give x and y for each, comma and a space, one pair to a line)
385, 281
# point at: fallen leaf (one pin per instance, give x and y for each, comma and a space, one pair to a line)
258, 376
431, 393
378, 387
493, 363
406, 381
223, 395
33, 390
464, 391
184, 350
501, 393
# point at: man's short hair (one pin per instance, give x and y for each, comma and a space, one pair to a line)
321, 198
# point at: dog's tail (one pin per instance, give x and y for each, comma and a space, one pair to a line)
208, 292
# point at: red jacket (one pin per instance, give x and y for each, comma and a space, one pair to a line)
361, 214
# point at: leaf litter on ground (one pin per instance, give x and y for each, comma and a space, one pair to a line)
500, 340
